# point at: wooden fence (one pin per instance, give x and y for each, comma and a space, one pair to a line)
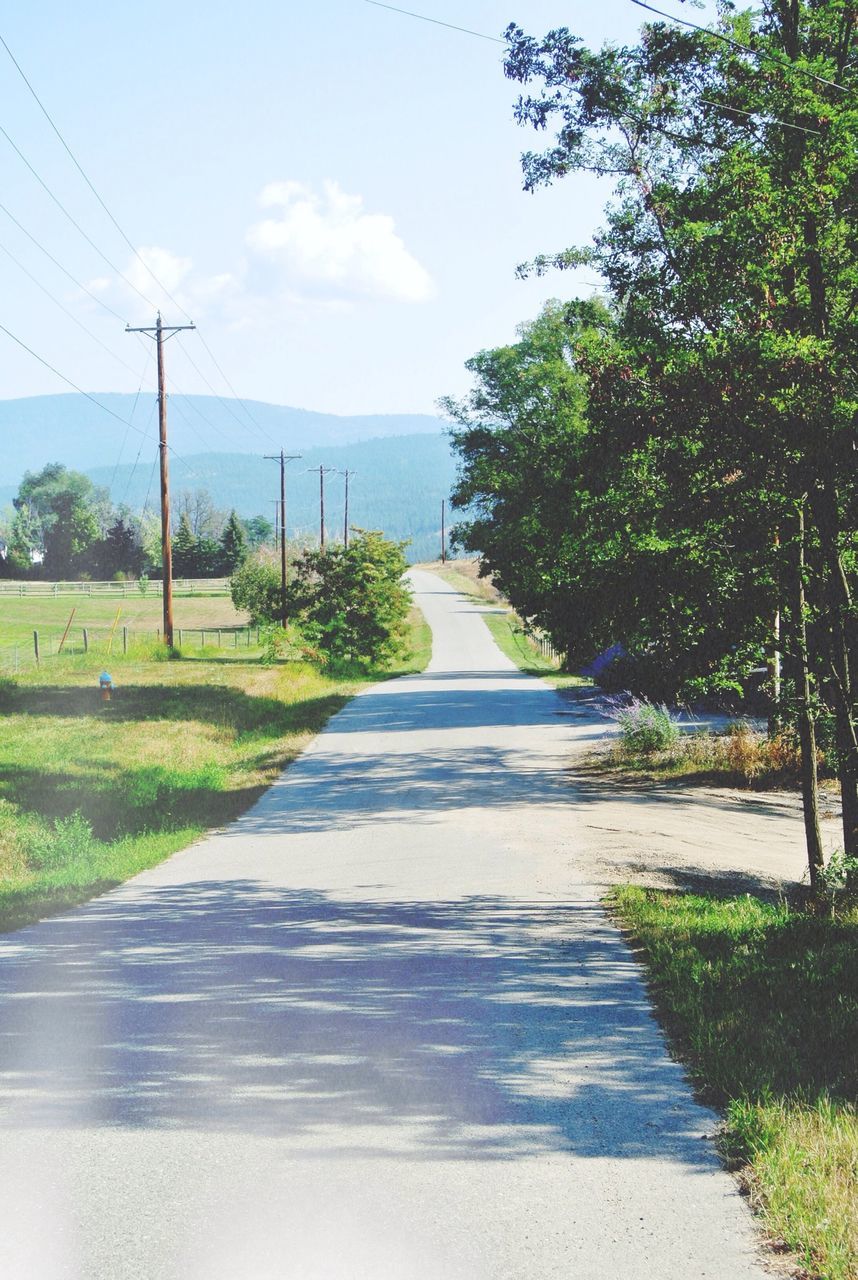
114, 590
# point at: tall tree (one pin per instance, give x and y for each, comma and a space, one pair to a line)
69, 510
233, 545
730, 253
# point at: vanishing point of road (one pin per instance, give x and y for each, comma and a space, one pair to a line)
377, 1029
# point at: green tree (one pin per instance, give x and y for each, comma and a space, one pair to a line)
351, 604
69, 510
259, 530
233, 545
255, 587
185, 549
730, 254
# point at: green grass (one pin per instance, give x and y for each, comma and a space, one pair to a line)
761, 1002
20, 616
504, 624
93, 792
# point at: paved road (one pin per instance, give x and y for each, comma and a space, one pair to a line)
376, 1030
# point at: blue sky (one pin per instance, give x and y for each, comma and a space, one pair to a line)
331, 190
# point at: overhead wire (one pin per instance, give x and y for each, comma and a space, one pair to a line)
762, 54
59, 265
481, 35
119, 229
105, 408
131, 419
62, 307
661, 13
58, 202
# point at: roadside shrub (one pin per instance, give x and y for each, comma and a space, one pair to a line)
350, 603
255, 587
646, 727
68, 840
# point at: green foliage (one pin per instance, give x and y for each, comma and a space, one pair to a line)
67, 840
350, 604
233, 545
256, 588
762, 1004
646, 728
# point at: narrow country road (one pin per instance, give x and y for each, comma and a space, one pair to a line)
378, 1029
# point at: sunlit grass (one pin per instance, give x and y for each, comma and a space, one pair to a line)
761, 1002
92, 791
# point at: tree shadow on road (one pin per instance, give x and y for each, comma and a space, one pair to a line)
482, 1029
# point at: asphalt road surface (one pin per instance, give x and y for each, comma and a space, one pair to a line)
377, 1029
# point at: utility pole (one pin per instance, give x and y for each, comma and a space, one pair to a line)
443, 530
159, 329
347, 474
323, 471
282, 458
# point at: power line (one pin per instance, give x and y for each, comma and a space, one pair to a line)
705, 30
481, 35
725, 106
69, 382
220, 398
737, 44
124, 236
65, 310
72, 220
137, 459
133, 411
58, 264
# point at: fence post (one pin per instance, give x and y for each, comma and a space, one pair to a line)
85, 640
219, 642
124, 639
202, 639
36, 646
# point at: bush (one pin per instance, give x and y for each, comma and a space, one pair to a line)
646, 727
70, 840
255, 586
350, 604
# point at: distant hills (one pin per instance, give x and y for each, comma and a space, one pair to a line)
71, 429
402, 463
397, 486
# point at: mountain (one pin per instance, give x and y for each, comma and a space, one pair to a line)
72, 430
397, 486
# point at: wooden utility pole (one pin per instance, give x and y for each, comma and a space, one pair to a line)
347, 475
443, 530
159, 329
322, 473
282, 458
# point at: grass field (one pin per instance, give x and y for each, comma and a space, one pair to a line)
21, 616
761, 1003
92, 792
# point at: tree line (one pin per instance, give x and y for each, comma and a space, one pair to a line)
64, 526
672, 467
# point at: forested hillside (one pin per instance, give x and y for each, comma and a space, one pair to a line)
397, 486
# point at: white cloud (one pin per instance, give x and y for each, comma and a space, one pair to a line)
161, 280
329, 243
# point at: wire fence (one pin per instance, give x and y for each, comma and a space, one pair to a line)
125, 641
132, 588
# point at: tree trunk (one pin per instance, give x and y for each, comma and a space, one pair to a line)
804, 713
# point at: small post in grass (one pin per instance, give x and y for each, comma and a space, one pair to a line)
68, 628
36, 646
112, 630
85, 640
